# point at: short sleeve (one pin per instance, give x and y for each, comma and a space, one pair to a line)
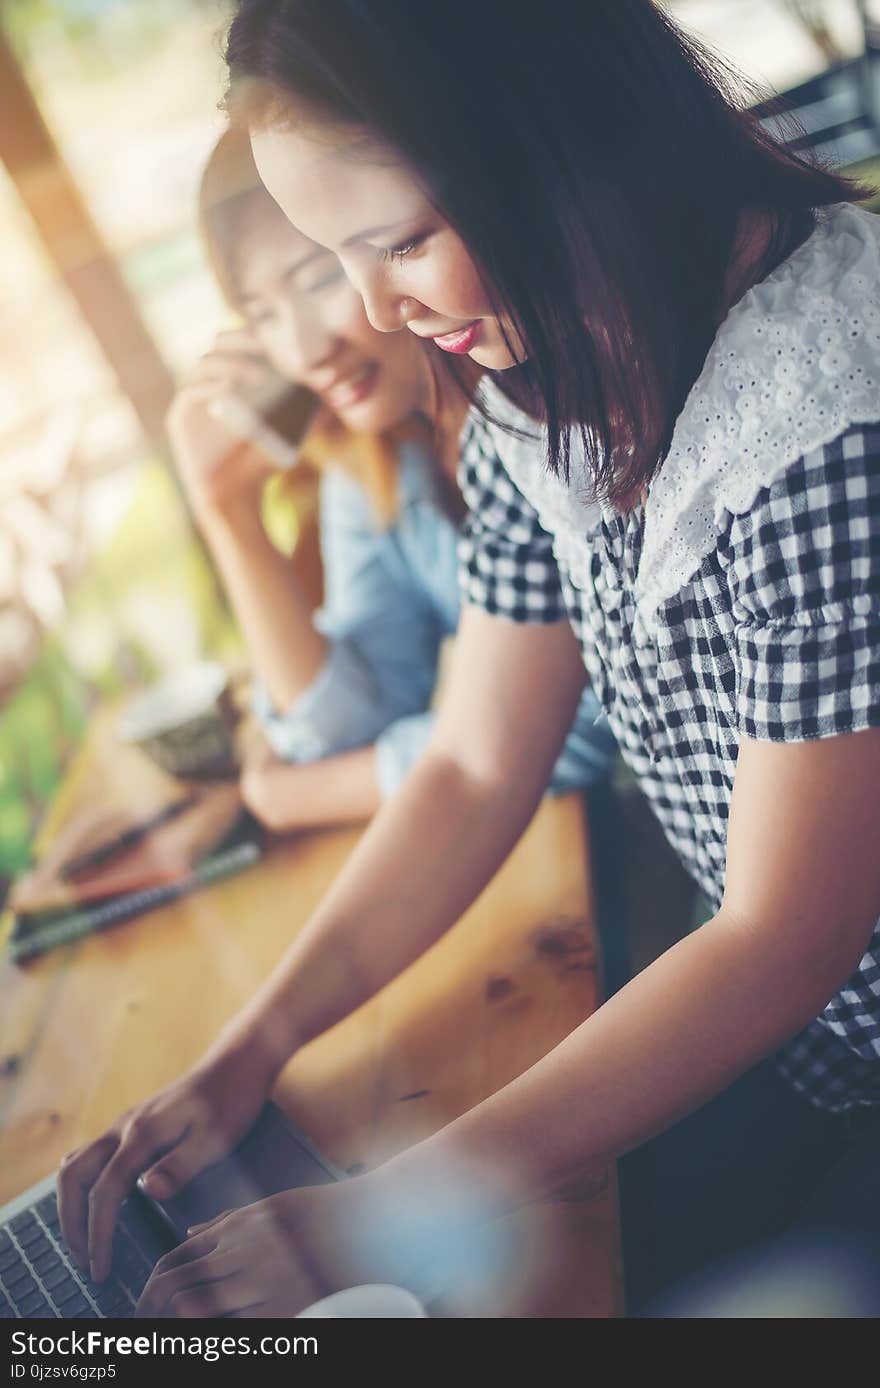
344, 707
805, 574
506, 563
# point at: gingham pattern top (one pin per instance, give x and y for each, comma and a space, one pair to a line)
731, 654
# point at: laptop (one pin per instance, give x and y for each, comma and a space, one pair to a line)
38, 1278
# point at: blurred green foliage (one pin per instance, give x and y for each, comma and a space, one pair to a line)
39, 728
28, 21
97, 30
153, 564
868, 173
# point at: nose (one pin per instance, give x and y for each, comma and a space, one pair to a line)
386, 310
308, 340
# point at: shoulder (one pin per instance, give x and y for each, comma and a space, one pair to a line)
793, 368
506, 560
805, 586
417, 473
343, 498
807, 550
495, 503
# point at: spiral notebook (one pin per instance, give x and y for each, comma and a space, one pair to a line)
35, 928
33, 935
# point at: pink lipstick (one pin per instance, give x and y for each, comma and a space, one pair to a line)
459, 342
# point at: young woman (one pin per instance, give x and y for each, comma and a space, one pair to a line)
343, 700
683, 323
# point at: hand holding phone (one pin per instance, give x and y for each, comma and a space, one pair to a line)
275, 422
235, 397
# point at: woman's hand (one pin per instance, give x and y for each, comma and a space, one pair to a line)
277, 792
285, 796
273, 1258
216, 465
259, 776
170, 1138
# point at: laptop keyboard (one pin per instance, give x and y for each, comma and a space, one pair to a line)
38, 1279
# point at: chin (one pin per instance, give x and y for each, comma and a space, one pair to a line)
370, 418
494, 354
493, 358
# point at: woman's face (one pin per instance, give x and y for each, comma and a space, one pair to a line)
312, 327
408, 265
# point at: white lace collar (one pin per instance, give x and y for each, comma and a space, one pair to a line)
795, 363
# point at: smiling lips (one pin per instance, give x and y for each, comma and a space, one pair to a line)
352, 390
461, 341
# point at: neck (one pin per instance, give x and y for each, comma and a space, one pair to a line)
446, 417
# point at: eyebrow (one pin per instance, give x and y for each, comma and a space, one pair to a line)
368, 232
319, 253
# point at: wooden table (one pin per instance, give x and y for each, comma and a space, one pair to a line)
94, 1027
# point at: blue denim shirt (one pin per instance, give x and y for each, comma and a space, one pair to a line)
390, 598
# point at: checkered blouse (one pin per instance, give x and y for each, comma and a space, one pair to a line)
728, 659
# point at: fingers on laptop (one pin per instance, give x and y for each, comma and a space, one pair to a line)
188, 1265
78, 1172
195, 1150
141, 1138
187, 1253
200, 1228
257, 1260
93, 1181
205, 1287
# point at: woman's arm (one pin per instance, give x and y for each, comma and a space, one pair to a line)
224, 477
802, 899
268, 601
436, 844
337, 790
323, 688
801, 902
344, 789
424, 859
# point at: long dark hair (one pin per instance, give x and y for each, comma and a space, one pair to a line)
595, 162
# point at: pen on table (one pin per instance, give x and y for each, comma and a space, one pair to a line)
38, 938
96, 857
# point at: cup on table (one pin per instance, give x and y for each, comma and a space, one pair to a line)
185, 723
374, 1301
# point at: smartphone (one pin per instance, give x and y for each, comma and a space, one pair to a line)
274, 420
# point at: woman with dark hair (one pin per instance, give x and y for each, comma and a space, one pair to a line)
342, 696
673, 480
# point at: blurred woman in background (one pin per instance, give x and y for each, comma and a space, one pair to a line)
342, 696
